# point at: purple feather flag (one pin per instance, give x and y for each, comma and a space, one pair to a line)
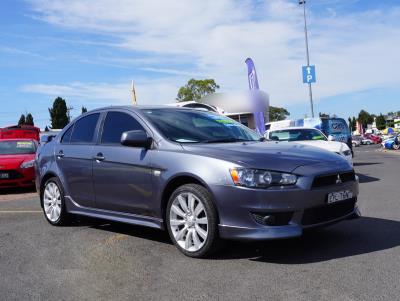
258, 111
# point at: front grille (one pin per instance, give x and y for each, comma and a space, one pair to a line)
332, 179
327, 213
12, 174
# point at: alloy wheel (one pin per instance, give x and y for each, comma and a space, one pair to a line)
188, 221
52, 201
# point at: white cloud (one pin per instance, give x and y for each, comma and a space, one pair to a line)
352, 52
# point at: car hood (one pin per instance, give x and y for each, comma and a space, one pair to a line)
14, 161
333, 146
277, 156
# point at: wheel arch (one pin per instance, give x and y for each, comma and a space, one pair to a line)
178, 181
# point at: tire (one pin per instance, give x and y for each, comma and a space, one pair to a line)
185, 215
53, 203
368, 142
396, 146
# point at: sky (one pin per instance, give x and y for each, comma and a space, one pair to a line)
89, 51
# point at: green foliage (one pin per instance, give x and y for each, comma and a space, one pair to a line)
59, 114
196, 89
84, 109
29, 119
276, 113
365, 118
380, 122
21, 120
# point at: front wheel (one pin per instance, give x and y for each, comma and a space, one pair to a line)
54, 203
192, 221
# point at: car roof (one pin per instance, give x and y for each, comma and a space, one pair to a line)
143, 107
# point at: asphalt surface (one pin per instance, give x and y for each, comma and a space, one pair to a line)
95, 260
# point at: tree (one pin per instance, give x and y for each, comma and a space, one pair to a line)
21, 120
46, 129
59, 114
29, 119
380, 122
196, 89
365, 118
276, 113
84, 109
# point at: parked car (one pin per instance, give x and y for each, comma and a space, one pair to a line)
17, 158
356, 140
374, 138
366, 141
20, 131
199, 175
312, 137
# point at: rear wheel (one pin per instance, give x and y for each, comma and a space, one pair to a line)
192, 221
54, 203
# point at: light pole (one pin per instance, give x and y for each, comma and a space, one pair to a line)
303, 2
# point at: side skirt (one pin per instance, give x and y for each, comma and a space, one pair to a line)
128, 218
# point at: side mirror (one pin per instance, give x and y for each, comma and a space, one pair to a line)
331, 138
137, 138
46, 138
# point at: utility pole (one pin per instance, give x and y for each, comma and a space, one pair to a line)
303, 2
69, 109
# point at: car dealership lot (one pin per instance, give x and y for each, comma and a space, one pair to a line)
354, 260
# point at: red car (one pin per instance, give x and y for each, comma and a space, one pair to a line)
376, 139
20, 131
17, 158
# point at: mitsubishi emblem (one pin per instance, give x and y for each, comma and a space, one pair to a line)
338, 180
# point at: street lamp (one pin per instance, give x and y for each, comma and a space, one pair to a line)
303, 2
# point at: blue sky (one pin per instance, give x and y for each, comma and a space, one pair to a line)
88, 52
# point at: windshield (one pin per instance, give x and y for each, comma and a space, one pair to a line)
192, 126
296, 135
17, 147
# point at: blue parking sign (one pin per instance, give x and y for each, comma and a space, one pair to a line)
308, 74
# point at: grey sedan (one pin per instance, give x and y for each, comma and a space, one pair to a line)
201, 176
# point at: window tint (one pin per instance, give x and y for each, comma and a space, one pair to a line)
115, 124
84, 129
67, 135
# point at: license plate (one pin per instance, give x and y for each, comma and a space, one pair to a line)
334, 197
4, 175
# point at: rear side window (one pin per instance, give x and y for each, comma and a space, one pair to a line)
115, 124
84, 129
67, 135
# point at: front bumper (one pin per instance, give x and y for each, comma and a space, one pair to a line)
295, 210
18, 178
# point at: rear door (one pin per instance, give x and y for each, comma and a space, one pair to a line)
122, 174
74, 156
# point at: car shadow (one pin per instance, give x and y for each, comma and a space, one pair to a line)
366, 163
121, 228
349, 238
366, 179
356, 237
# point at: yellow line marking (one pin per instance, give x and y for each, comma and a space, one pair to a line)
21, 211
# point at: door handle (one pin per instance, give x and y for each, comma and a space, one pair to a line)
99, 157
60, 154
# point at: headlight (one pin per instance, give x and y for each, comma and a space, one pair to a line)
347, 153
258, 178
28, 164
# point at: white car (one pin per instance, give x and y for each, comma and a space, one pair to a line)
312, 137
